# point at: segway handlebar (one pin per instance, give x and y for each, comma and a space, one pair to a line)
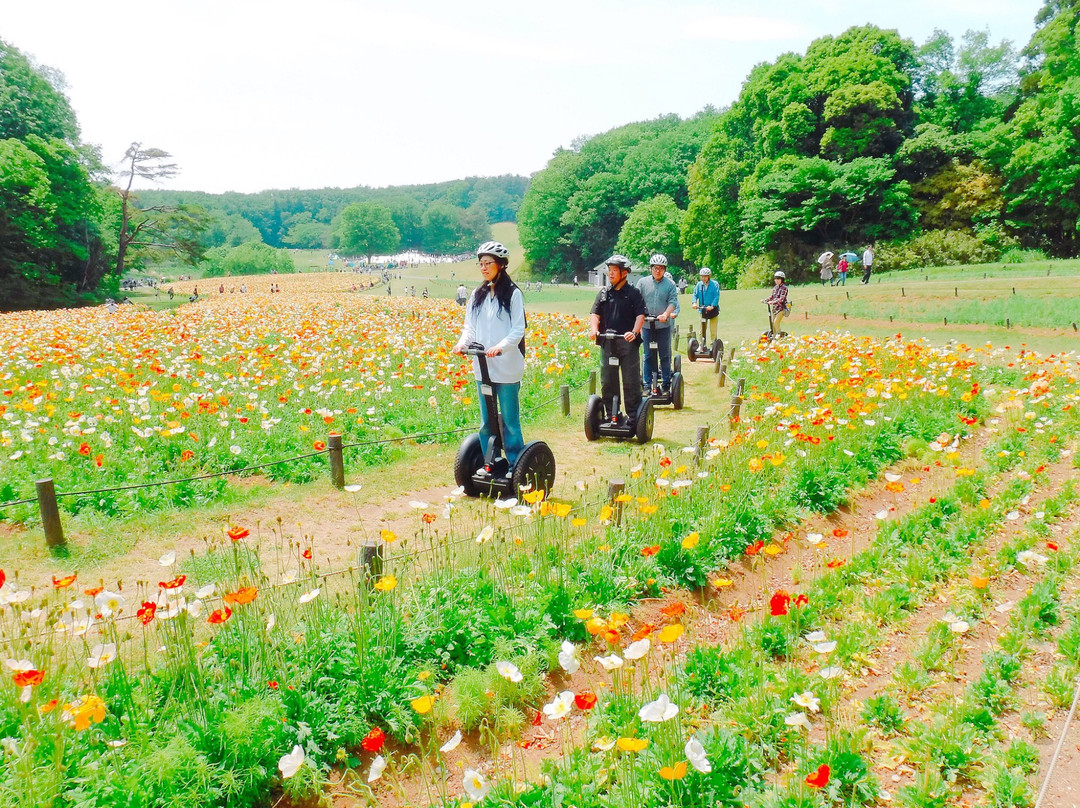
475, 349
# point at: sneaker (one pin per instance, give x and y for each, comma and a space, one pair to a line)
509, 475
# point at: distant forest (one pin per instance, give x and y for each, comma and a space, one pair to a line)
945, 152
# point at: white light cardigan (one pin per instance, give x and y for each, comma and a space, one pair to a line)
492, 327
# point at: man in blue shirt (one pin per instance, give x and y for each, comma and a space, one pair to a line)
707, 299
661, 301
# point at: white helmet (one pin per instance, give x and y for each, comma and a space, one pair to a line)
779, 274
620, 261
704, 272
493, 248
658, 260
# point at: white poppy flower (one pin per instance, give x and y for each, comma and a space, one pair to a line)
825, 647
1004, 608
561, 706
290, 764
458, 492
505, 504
1029, 558
807, 700
451, 744
485, 534
509, 671
307, 597
520, 510
797, 720
636, 650
378, 766
695, 753
893, 478
1012, 516
568, 659
882, 514
109, 602
205, 591
195, 608
101, 655
604, 744
813, 538
610, 663
475, 786
418, 504
816, 636
168, 559
288, 577
19, 665
830, 672
271, 621
658, 711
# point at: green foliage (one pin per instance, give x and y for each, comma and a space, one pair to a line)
652, 226
366, 228
934, 249
757, 272
884, 712
253, 258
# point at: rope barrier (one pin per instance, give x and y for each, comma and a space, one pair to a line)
1060, 743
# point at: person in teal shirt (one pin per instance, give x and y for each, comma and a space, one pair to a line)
707, 299
662, 302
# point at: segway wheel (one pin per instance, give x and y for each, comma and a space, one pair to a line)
677, 391
718, 349
470, 457
691, 348
535, 467
644, 421
594, 414
676, 363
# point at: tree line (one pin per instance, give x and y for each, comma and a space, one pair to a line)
950, 150
70, 227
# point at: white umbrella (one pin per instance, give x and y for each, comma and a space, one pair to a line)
824, 257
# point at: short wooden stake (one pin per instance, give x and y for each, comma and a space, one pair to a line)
723, 373
337, 462
564, 397
371, 558
676, 333
700, 443
50, 513
614, 489
592, 382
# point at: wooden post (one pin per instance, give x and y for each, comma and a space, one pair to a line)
676, 333
955, 292
50, 513
564, 396
1008, 323
735, 409
372, 558
848, 294
1014, 290
945, 320
731, 353
717, 363
702, 440
902, 294
614, 489
723, 372
337, 462
592, 382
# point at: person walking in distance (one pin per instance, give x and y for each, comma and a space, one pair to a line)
661, 301
707, 299
867, 264
619, 308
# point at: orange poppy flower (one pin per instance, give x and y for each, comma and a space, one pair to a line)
29, 678
244, 594
175, 583
237, 533
585, 701
674, 609
643, 632
840, 533
219, 616
66, 581
94, 591
650, 550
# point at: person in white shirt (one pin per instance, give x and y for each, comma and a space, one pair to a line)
495, 318
867, 264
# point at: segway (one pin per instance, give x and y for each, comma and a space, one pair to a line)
696, 349
599, 423
484, 471
674, 394
769, 335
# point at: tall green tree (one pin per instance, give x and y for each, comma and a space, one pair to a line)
652, 226
367, 229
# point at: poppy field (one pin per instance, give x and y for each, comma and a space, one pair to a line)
861, 592
98, 400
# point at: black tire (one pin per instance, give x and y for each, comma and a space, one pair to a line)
691, 348
677, 391
644, 422
470, 457
676, 363
594, 414
718, 350
536, 467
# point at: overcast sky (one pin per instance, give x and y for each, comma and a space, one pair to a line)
256, 94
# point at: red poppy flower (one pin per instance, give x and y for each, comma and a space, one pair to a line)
374, 740
186, 455
820, 778
319, 445
428, 518
801, 600
237, 533
651, 550
736, 613
307, 554
94, 591
272, 684
836, 562
1051, 545
3, 577
175, 583
643, 632
146, 612
585, 701
674, 609
84, 449
99, 460
755, 548
538, 719
66, 581
840, 533
665, 462
779, 603
29, 678
219, 616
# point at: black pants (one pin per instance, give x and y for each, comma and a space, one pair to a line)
629, 356
866, 274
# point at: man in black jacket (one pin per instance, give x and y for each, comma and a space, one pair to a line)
620, 308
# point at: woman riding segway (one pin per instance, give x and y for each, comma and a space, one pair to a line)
778, 306
497, 461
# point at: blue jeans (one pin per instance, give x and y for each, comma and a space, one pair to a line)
510, 411
662, 337
841, 279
